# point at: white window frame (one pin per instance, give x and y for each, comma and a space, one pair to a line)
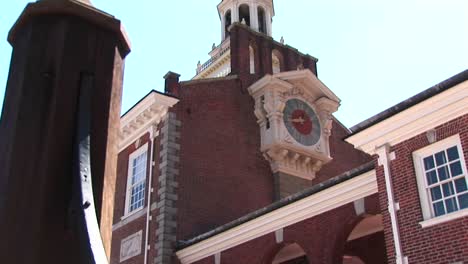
128, 195
425, 200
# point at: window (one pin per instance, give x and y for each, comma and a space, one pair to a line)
136, 183
442, 179
244, 14
227, 23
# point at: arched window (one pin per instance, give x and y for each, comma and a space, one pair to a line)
252, 60
244, 14
292, 253
227, 23
276, 61
261, 20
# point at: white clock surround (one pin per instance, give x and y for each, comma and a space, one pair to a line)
284, 153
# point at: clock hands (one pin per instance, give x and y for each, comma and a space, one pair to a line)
298, 120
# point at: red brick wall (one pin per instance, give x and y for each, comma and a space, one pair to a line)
345, 156
223, 174
124, 232
442, 243
242, 37
370, 249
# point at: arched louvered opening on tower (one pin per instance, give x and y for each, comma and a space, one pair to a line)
262, 26
244, 14
227, 23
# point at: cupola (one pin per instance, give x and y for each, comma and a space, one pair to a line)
257, 14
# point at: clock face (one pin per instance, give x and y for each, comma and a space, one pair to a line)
301, 122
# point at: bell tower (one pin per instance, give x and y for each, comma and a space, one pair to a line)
257, 14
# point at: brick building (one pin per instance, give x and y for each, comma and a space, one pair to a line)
245, 163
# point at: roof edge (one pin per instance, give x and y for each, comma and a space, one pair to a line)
408, 103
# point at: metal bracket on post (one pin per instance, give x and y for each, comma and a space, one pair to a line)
83, 212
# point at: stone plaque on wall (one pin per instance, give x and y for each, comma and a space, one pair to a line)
131, 246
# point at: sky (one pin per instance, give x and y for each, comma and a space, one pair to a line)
372, 54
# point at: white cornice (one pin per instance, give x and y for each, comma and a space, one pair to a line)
316, 204
308, 78
415, 120
269, 80
146, 113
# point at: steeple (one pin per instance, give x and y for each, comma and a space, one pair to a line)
257, 14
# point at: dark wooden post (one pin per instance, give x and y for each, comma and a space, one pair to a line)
59, 47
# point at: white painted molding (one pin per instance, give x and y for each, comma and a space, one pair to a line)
307, 78
415, 120
316, 204
217, 258
384, 160
444, 219
360, 206
279, 236
142, 116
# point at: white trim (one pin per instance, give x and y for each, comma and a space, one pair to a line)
316, 204
415, 120
146, 113
287, 80
418, 157
444, 219
124, 220
153, 134
132, 156
279, 236
360, 206
393, 206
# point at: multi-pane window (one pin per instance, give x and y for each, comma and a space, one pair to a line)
442, 174
446, 182
136, 179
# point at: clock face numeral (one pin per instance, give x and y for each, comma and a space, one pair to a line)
301, 122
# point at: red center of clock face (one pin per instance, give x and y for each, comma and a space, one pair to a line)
301, 122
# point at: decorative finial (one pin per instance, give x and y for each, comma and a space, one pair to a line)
282, 40
243, 21
213, 47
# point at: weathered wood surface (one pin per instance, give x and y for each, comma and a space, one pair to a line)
55, 44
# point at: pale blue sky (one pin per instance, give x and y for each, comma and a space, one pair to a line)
372, 53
